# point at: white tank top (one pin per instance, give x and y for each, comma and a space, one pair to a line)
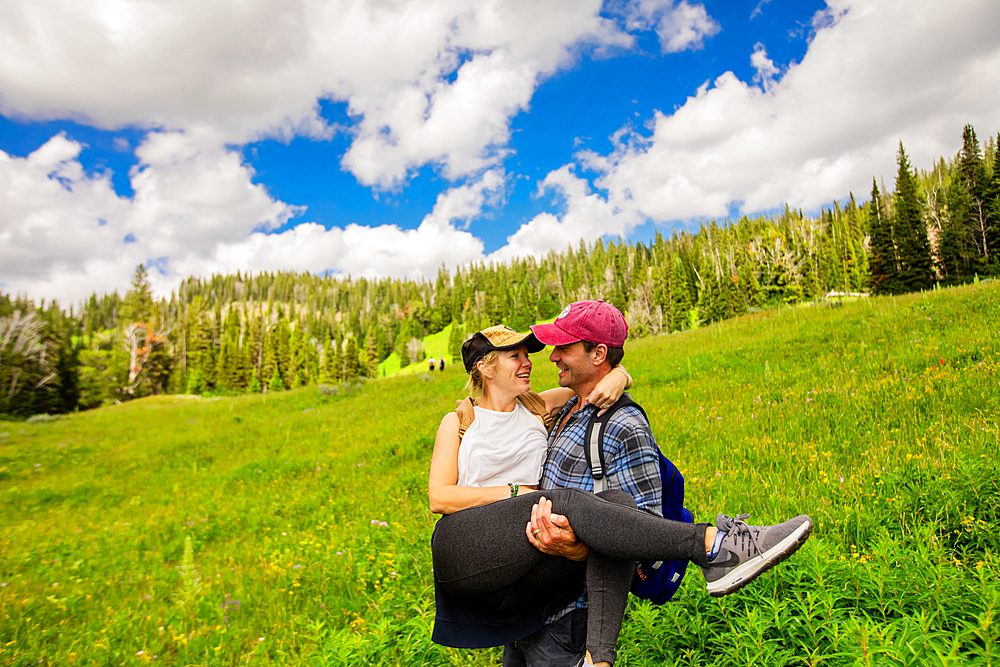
501, 448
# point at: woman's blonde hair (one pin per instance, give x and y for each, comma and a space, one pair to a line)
475, 384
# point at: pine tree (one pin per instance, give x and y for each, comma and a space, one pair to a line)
283, 351
992, 235
455, 339
328, 371
352, 366
964, 236
371, 350
884, 269
913, 247
254, 345
972, 172
138, 304
753, 295
269, 354
298, 358
856, 258
681, 299
403, 337
199, 344
276, 384
233, 373
337, 362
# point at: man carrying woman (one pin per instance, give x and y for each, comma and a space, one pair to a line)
509, 559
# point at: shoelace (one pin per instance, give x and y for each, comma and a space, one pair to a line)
740, 526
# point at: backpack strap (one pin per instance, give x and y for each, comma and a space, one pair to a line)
466, 415
535, 404
593, 441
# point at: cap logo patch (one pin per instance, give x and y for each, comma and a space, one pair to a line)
564, 313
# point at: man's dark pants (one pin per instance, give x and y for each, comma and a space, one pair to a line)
561, 643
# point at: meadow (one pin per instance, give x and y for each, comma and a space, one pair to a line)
292, 528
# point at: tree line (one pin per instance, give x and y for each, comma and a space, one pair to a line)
274, 331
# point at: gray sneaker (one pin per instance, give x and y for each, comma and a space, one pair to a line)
748, 551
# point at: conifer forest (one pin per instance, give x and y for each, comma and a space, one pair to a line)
241, 333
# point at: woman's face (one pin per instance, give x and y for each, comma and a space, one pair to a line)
512, 371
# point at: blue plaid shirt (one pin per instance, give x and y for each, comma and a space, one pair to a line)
630, 457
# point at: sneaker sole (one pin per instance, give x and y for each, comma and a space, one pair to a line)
753, 568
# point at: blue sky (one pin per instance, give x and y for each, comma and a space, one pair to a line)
391, 138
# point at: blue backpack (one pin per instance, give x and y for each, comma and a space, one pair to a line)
656, 581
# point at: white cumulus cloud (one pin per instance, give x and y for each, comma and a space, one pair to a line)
876, 73
64, 233
679, 25
587, 215
428, 83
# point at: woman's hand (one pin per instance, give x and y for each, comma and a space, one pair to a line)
610, 389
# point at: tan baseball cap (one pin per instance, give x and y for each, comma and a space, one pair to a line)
500, 337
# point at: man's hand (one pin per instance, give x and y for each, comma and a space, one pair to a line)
551, 533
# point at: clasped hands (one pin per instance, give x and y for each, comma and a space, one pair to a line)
551, 533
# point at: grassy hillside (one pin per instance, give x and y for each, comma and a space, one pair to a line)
307, 531
435, 345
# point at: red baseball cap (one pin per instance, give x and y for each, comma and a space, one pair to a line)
592, 321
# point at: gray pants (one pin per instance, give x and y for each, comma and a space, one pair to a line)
482, 553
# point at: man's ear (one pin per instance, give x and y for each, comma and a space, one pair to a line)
600, 353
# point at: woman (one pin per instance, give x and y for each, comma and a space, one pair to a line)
492, 586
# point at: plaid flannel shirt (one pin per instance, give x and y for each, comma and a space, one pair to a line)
631, 462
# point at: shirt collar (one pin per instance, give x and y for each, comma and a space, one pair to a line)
569, 406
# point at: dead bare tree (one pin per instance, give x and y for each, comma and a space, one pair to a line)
23, 347
140, 339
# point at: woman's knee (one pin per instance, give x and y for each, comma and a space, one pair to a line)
618, 497
566, 499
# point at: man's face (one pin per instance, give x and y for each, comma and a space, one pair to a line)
575, 364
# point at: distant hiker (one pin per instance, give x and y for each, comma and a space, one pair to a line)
431, 364
512, 572
441, 363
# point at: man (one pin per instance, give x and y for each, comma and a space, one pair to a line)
588, 339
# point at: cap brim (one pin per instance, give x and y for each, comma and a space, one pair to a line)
530, 341
550, 334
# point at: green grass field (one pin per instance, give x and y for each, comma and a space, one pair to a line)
292, 528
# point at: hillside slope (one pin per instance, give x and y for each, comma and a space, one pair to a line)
306, 526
